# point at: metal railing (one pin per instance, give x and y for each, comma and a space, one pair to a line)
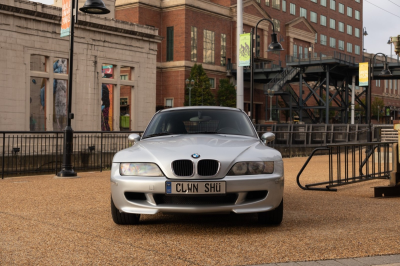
30, 153
352, 163
318, 57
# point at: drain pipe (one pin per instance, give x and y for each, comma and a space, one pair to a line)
353, 92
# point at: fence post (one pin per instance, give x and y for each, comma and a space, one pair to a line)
56, 151
101, 151
4, 144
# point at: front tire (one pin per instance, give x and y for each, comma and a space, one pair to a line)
122, 218
273, 217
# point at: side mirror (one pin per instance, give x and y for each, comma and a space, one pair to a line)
267, 137
133, 138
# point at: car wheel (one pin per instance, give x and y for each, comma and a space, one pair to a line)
273, 217
123, 218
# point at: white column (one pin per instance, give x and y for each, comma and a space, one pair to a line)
353, 92
239, 76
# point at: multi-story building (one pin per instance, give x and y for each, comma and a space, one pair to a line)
204, 32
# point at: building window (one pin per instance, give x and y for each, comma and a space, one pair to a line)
316, 37
303, 12
170, 43
333, 4
358, 1
341, 8
313, 17
169, 102
292, 9
258, 1
341, 45
357, 14
332, 23
349, 11
212, 83
284, 5
377, 83
341, 26
357, 49
277, 24
357, 32
332, 42
294, 50
349, 47
123, 77
276, 4
193, 44
300, 51
322, 20
267, 2
323, 2
223, 49
208, 47
349, 29
315, 1
323, 39
305, 52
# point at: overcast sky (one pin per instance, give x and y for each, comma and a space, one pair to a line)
381, 20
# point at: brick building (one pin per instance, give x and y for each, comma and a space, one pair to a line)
204, 31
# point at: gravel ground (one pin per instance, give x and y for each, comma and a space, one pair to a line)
46, 221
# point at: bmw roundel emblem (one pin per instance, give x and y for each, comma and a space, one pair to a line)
196, 155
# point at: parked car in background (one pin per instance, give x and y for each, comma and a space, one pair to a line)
198, 160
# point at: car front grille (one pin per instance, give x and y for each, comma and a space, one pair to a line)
207, 167
229, 198
182, 167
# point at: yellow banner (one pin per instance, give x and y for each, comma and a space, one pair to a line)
363, 74
244, 50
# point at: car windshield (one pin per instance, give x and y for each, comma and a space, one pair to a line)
199, 121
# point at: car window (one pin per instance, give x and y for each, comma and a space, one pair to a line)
200, 121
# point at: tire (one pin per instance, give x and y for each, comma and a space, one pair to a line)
123, 218
273, 217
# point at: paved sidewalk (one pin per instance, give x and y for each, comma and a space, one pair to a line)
388, 260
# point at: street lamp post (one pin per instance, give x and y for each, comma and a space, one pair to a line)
384, 73
273, 46
378, 113
270, 94
90, 7
364, 33
190, 84
390, 42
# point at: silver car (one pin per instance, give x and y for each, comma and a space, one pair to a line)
198, 160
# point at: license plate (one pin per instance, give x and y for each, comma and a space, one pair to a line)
195, 187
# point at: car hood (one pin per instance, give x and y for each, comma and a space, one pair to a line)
227, 149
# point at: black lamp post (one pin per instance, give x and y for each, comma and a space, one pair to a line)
384, 73
90, 7
273, 46
364, 33
190, 85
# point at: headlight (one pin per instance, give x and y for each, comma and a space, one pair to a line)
252, 168
140, 169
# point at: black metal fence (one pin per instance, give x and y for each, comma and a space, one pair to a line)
30, 153
352, 163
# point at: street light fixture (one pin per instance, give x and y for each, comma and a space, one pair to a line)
365, 33
190, 89
273, 46
90, 7
270, 94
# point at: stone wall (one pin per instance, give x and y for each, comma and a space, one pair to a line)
31, 30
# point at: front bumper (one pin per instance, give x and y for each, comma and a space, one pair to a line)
154, 186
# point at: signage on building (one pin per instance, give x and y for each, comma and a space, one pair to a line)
363, 74
244, 50
66, 18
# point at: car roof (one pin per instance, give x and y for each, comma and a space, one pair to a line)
199, 107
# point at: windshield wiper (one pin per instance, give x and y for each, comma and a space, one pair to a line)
159, 134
